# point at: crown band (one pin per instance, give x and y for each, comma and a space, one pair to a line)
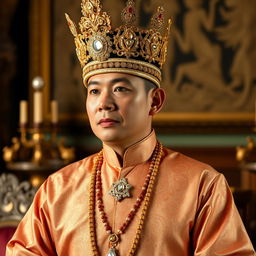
129, 66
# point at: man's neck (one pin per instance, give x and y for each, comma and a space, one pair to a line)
120, 148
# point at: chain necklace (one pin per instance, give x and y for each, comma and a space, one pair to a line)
95, 197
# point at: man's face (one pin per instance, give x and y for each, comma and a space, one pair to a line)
118, 108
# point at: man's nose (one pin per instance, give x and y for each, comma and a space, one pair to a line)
106, 102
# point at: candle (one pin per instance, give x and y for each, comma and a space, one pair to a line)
54, 110
23, 112
38, 111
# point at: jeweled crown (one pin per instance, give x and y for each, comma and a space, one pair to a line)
126, 49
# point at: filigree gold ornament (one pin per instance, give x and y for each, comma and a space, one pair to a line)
94, 19
71, 25
151, 46
81, 50
163, 54
157, 20
126, 42
99, 46
128, 14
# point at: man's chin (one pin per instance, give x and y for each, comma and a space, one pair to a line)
109, 138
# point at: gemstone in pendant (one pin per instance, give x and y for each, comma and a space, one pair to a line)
120, 187
97, 45
112, 252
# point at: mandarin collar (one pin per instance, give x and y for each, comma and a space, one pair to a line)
135, 154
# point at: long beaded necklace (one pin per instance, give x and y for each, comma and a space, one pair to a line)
95, 194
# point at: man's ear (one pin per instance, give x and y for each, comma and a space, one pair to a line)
158, 98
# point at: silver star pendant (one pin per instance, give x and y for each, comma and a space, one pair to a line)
120, 189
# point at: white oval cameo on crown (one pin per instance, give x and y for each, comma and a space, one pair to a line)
99, 47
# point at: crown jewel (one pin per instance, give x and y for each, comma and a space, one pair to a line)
128, 48
128, 14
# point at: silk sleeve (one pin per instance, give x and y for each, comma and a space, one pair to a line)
33, 234
218, 229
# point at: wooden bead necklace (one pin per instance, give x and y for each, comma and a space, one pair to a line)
95, 197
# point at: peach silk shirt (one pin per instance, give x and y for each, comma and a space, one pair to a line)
191, 212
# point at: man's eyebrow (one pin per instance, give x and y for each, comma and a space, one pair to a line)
93, 82
113, 81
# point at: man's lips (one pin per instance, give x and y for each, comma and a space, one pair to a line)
107, 122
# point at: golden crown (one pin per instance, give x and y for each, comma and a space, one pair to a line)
126, 49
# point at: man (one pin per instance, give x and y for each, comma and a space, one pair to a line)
134, 197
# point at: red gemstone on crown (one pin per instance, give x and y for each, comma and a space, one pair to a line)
130, 10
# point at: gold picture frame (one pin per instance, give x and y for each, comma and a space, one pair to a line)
41, 63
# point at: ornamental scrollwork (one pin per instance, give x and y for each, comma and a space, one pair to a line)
15, 197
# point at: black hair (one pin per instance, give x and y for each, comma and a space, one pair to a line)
149, 85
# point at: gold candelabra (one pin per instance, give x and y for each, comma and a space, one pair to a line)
245, 155
37, 150
244, 152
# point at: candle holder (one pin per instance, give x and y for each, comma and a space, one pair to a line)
245, 155
37, 151
243, 152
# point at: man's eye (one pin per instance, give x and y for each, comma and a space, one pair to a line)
93, 91
121, 89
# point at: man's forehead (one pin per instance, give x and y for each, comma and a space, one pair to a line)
112, 78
